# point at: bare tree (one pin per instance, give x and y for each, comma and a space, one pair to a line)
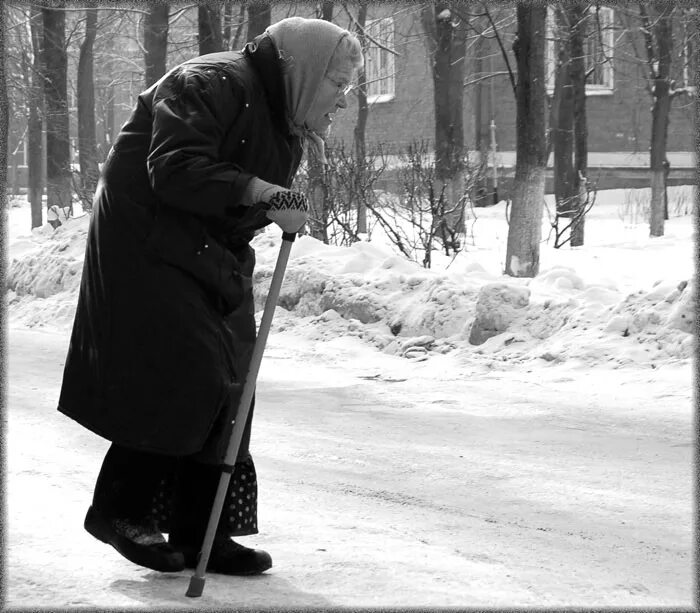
35, 127
663, 37
568, 128
578, 75
487, 23
362, 114
87, 142
231, 38
562, 116
481, 135
325, 10
155, 41
259, 16
210, 36
525, 229
318, 178
658, 37
58, 155
446, 35
25, 82
31, 38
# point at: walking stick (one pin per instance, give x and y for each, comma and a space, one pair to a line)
197, 581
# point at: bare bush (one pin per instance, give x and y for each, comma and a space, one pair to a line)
423, 217
346, 187
570, 212
635, 207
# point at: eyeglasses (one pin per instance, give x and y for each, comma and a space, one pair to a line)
343, 88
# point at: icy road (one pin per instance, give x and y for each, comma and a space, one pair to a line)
384, 482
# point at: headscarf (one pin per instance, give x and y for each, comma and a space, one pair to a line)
306, 47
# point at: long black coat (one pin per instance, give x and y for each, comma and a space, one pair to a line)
165, 324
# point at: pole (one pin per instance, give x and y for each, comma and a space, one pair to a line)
197, 581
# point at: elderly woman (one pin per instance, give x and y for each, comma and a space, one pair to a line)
164, 326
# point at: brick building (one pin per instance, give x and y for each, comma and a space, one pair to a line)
617, 102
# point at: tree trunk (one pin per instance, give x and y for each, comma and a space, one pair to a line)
481, 194
105, 104
155, 41
110, 120
562, 130
525, 229
318, 214
209, 24
259, 16
58, 156
324, 10
362, 114
87, 143
577, 17
663, 33
239, 28
35, 139
227, 18
447, 43
318, 222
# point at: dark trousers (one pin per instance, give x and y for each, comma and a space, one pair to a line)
177, 492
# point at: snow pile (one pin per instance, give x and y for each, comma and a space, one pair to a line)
367, 283
623, 298
44, 273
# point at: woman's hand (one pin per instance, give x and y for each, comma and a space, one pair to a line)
289, 210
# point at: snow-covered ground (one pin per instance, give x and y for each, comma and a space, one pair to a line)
400, 464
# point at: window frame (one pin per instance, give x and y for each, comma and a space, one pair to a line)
373, 51
687, 53
607, 16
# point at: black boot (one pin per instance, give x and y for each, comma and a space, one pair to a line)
228, 557
139, 542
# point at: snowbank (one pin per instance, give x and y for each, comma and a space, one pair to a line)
623, 298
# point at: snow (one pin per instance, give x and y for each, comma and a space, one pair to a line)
424, 437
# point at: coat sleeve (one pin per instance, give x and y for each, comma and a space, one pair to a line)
193, 109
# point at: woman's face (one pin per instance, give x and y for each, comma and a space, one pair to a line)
330, 98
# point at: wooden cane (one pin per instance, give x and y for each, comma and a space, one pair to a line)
197, 581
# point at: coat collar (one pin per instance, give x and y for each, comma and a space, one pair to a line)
266, 60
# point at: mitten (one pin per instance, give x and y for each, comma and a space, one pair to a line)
289, 210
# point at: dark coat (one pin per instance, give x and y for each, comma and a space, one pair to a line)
165, 324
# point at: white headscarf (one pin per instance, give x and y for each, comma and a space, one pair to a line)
306, 47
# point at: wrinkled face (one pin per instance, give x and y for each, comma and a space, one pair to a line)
330, 98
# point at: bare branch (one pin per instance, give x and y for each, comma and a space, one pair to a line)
648, 39
373, 40
503, 51
485, 77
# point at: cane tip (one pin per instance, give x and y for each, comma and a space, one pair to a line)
196, 587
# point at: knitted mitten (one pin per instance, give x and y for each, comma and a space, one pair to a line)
289, 210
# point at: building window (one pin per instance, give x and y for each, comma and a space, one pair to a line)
379, 63
598, 48
688, 58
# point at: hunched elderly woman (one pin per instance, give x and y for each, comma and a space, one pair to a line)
164, 326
